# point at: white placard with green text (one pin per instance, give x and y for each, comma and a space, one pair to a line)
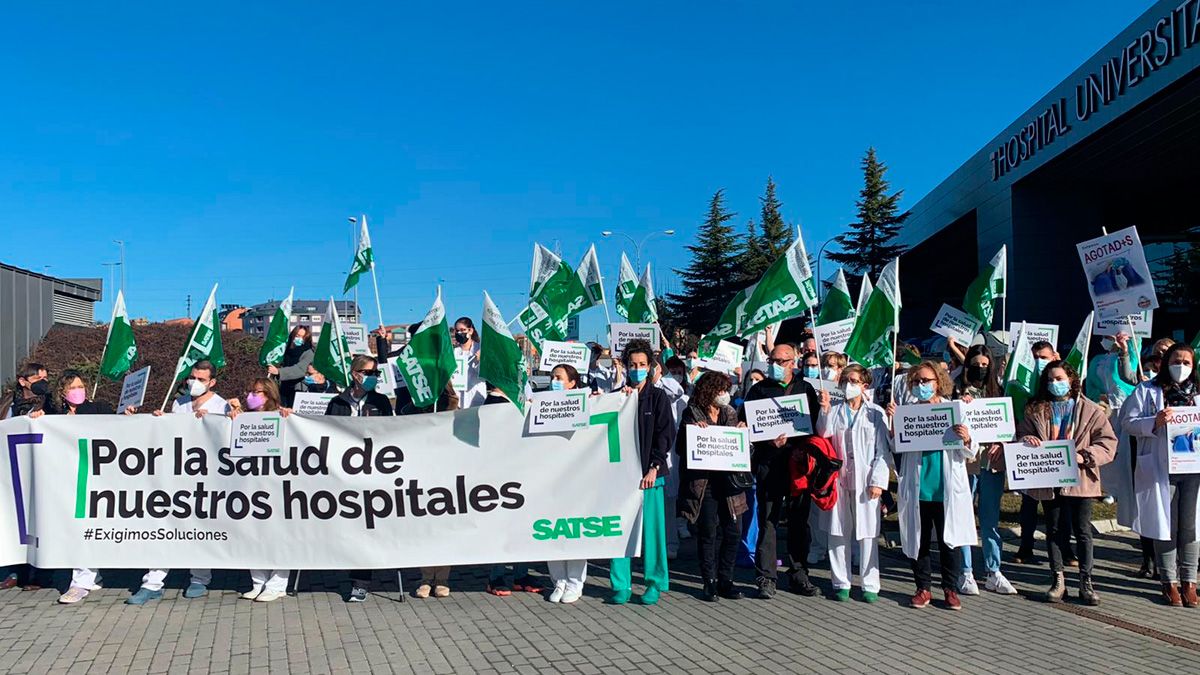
927, 426
620, 334
990, 420
714, 448
768, 418
574, 354
1050, 465
558, 411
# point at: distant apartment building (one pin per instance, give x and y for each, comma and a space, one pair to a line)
307, 313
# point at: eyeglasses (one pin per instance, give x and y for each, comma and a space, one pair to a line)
368, 372
927, 380
780, 361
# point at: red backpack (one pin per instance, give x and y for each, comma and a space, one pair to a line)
814, 469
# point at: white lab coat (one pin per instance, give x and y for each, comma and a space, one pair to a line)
956, 497
869, 443
679, 401
1151, 478
1117, 475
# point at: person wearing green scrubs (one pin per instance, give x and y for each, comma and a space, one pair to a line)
656, 436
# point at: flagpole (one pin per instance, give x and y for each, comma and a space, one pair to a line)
174, 381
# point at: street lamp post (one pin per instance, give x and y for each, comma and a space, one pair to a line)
637, 246
820, 278
120, 243
110, 265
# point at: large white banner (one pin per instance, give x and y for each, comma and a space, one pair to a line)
464, 487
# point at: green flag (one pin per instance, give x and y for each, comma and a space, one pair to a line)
870, 344
989, 285
643, 307
427, 361
1077, 358
1196, 342
501, 363
551, 281
785, 290
275, 344
204, 343
836, 306
332, 355
726, 326
589, 278
864, 292
120, 349
364, 258
1021, 376
627, 283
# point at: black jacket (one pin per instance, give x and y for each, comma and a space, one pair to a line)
375, 405
85, 408
769, 463
655, 427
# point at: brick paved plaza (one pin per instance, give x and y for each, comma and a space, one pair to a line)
471, 631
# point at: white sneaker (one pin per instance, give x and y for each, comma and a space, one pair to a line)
572, 595
560, 589
253, 593
270, 596
98, 584
997, 583
967, 585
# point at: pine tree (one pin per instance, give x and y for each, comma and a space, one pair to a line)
768, 239
868, 246
710, 280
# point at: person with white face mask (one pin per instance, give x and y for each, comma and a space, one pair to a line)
934, 494
712, 499
199, 400
1167, 504
859, 433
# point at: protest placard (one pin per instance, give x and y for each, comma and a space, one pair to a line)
1183, 440
621, 333
1119, 279
462, 364
307, 403
1142, 322
133, 389
767, 418
991, 420
256, 434
727, 358
1035, 332
957, 324
1050, 465
836, 395
832, 337
357, 338
714, 448
574, 354
927, 426
558, 411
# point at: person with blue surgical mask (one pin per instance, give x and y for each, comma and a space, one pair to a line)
315, 382
812, 367
297, 357
656, 437
769, 462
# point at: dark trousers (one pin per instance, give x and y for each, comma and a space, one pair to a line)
1078, 513
933, 519
717, 537
1029, 522
361, 578
770, 508
436, 576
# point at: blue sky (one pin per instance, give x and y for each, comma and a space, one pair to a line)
230, 144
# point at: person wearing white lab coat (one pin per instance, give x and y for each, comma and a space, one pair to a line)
471, 390
935, 492
1167, 505
675, 385
859, 433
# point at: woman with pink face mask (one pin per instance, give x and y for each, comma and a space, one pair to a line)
262, 396
70, 397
